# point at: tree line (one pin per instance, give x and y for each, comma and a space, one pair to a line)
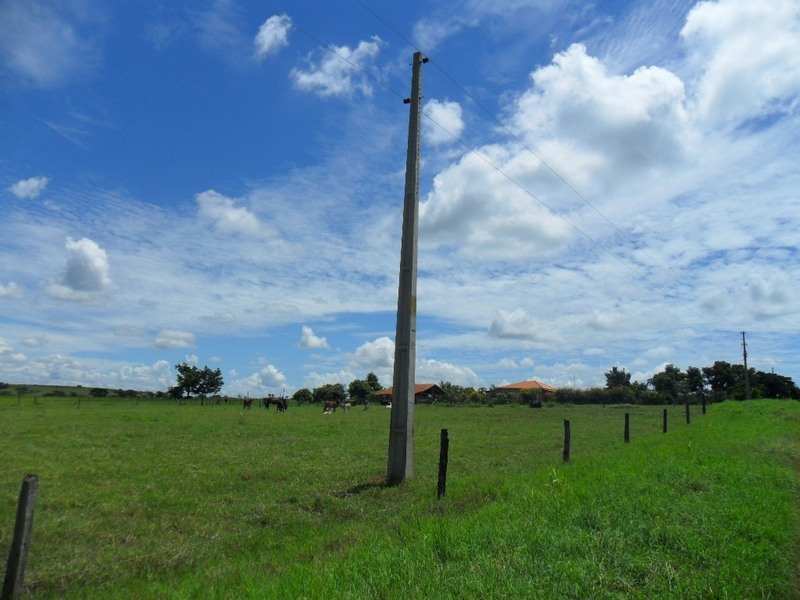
718, 382
359, 391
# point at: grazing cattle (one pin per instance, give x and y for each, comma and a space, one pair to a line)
346, 406
366, 405
247, 403
280, 403
330, 406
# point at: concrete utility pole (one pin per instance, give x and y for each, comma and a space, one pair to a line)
746, 374
401, 426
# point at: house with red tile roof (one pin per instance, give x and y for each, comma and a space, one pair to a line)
517, 388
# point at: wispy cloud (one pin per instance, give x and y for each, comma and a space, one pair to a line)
340, 72
11, 290
46, 44
171, 338
29, 188
272, 35
225, 216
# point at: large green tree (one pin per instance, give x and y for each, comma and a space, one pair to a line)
329, 392
373, 381
193, 381
617, 378
721, 379
696, 382
669, 382
303, 396
360, 391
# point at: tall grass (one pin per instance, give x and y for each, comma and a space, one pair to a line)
159, 501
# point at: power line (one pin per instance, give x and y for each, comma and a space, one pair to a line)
468, 147
331, 49
523, 145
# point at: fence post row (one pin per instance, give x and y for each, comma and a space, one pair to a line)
566, 440
444, 449
665, 420
688, 417
18, 556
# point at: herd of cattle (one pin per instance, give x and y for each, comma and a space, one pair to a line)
329, 406
280, 403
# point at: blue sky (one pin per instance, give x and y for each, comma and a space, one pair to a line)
221, 182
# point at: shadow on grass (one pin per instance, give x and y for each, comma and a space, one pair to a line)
377, 483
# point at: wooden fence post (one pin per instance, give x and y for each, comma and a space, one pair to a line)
566, 441
444, 449
665, 420
627, 427
704, 405
688, 417
18, 556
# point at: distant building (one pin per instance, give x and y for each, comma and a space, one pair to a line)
424, 393
515, 389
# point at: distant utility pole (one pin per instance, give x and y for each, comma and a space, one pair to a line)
746, 374
401, 425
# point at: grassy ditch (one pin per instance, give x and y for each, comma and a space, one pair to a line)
153, 500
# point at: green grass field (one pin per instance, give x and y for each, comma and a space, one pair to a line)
154, 500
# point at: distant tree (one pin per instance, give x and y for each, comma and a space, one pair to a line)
696, 382
455, 395
210, 382
302, 396
617, 378
333, 392
669, 382
360, 391
175, 392
721, 379
531, 397
98, 392
777, 386
188, 379
193, 381
372, 379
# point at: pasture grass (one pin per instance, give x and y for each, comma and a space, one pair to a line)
154, 500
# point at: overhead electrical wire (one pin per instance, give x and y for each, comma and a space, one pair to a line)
471, 149
523, 145
331, 49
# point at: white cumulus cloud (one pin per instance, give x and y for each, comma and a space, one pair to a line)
444, 122
267, 380
519, 325
376, 354
750, 52
273, 35
29, 188
432, 371
87, 274
476, 209
309, 340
